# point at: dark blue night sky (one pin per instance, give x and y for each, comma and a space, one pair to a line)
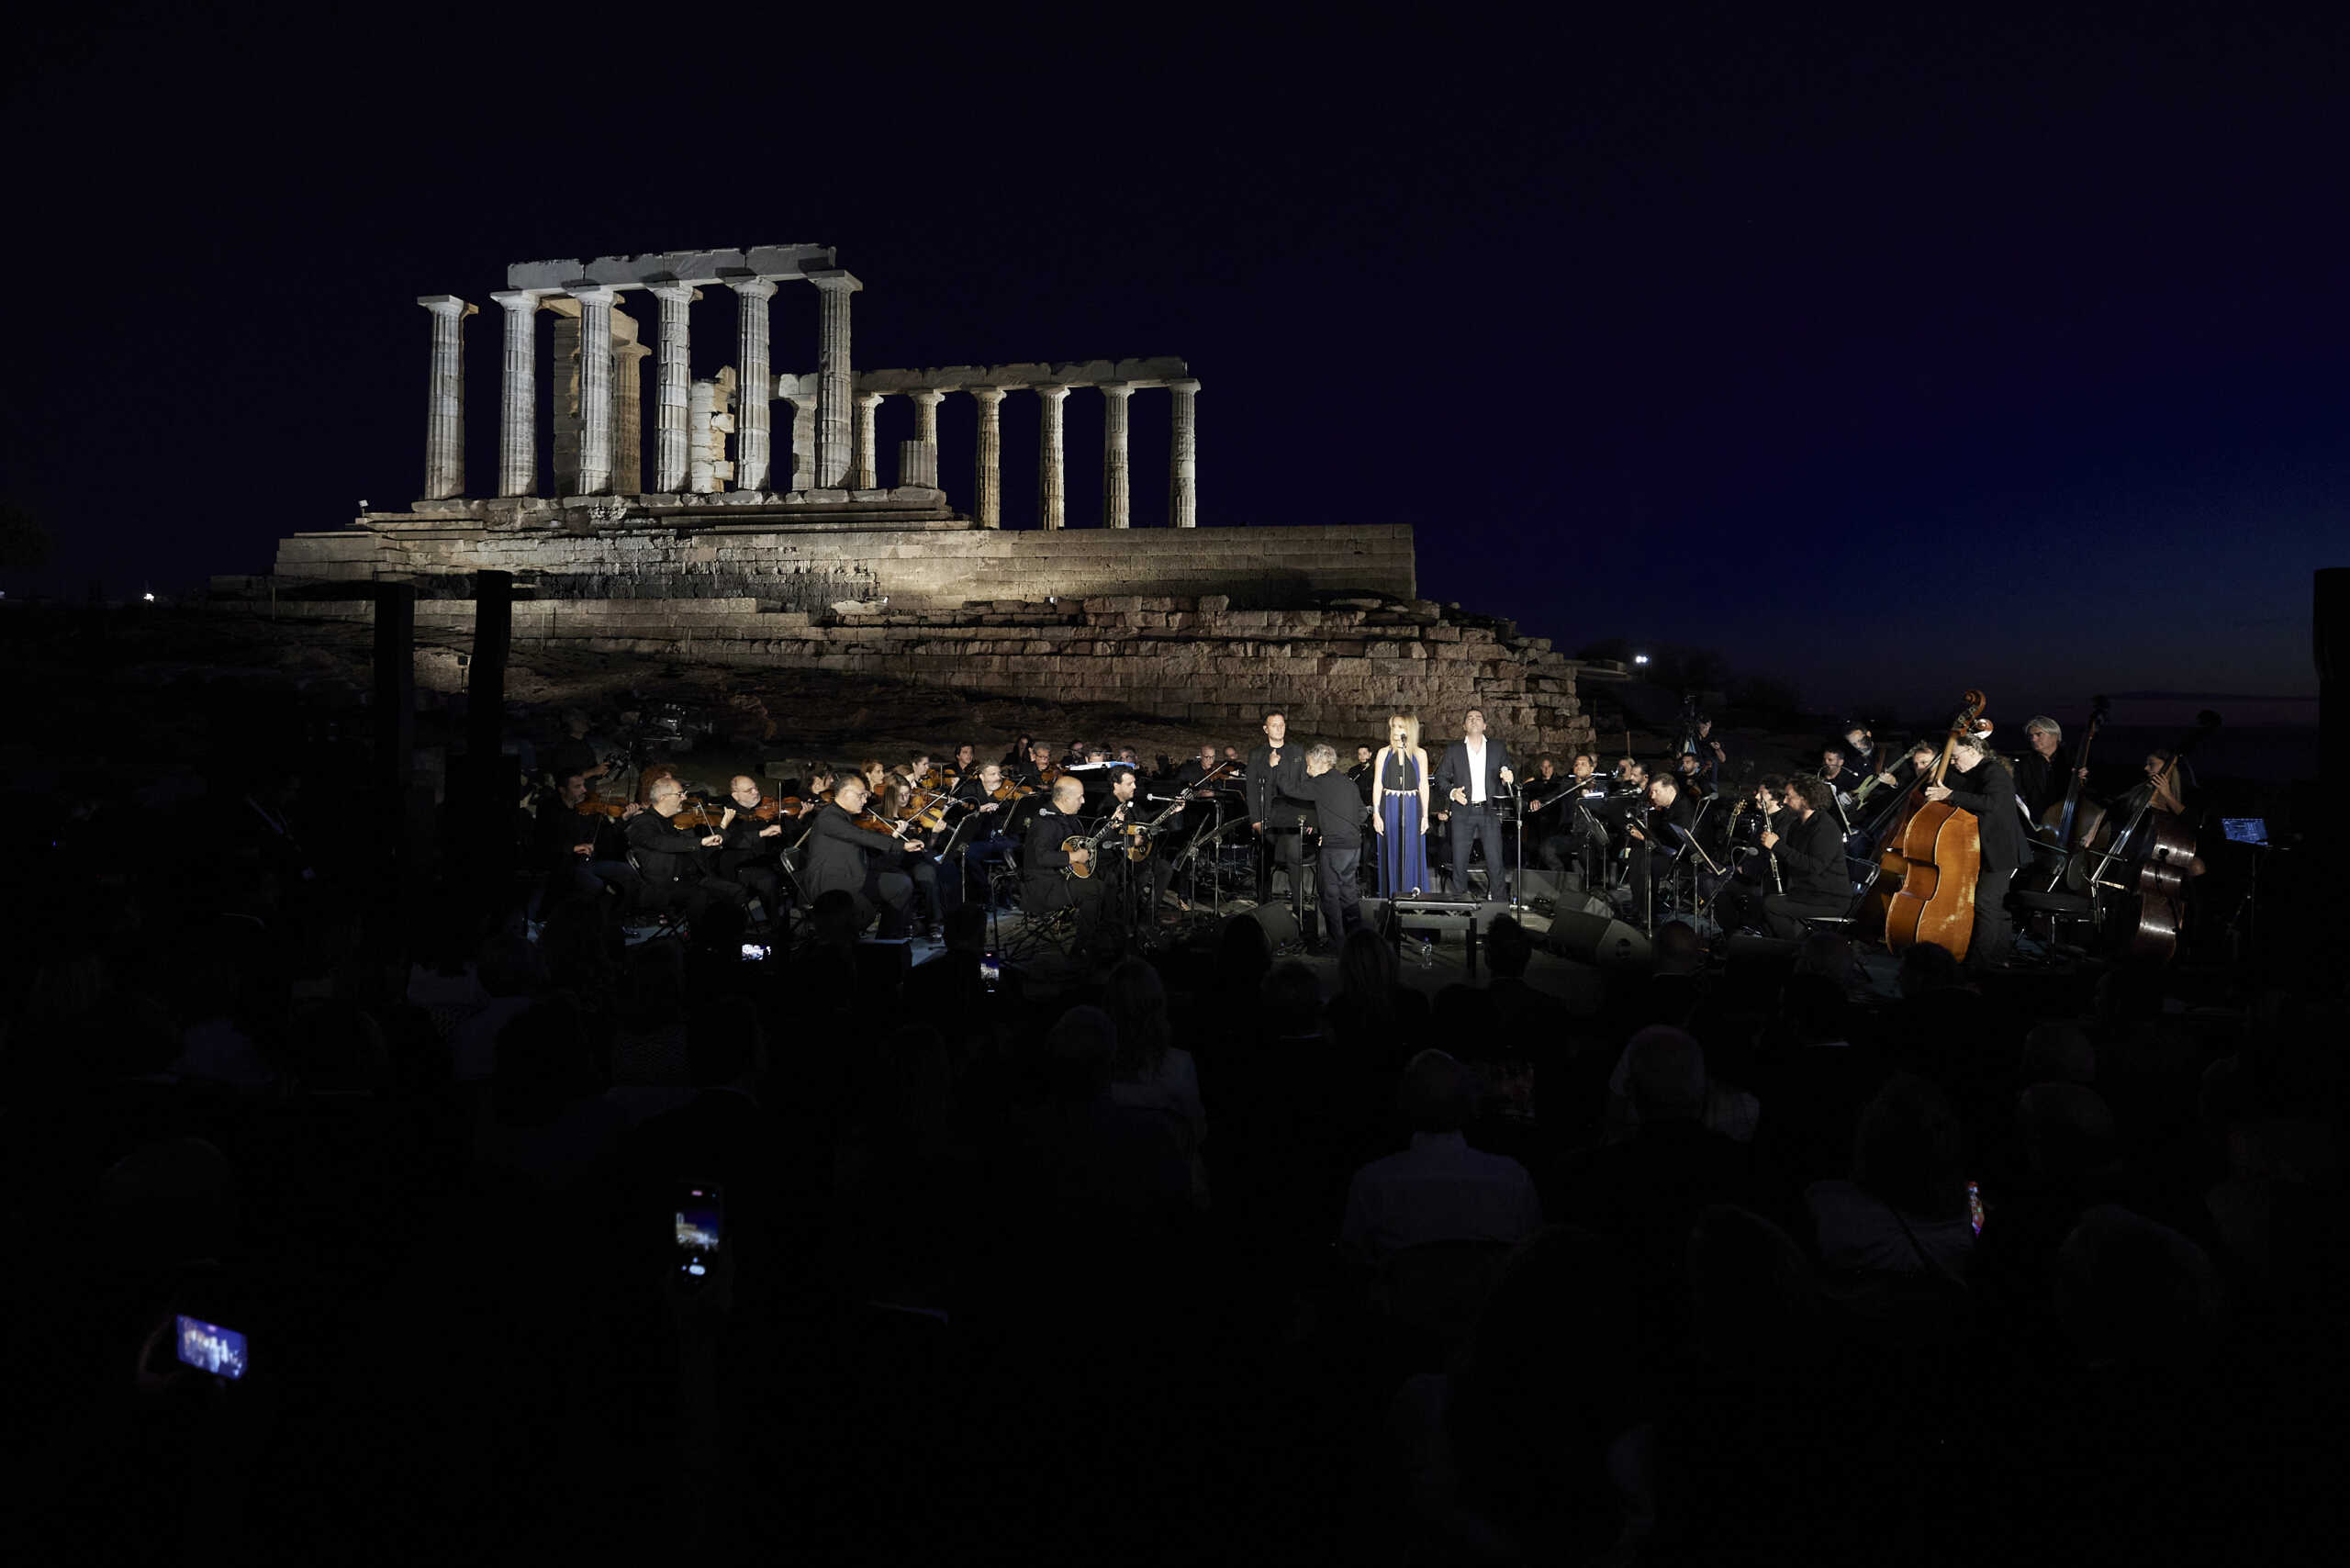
1888, 360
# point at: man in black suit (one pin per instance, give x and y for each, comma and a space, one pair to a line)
2045, 773
1338, 813
1044, 887
669, 857
1656, 839
1987, 789
1276, 815
1811, 858
844, 855
750, 856
1475, 777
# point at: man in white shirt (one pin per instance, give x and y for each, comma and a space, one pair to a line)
1439, 1189
1475, 777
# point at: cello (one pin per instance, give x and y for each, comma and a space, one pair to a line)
1937, 855
2167, 860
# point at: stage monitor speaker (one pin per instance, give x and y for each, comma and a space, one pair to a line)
1279, 924
882, 964
1595, 939
1437, 920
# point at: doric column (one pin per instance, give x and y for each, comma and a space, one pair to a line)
702, 402
861, 474
1052, 498
752, 446
803, 444
1183, 469
1117, 505
518, 409
987, 503
927, 429
444, 405
673, 393
836, 383
627, 419
594, 389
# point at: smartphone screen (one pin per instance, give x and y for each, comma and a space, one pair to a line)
1973, 1206
754, 951
208, 1347
990, 971
699, 1223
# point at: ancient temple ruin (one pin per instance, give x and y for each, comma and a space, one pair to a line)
714, 437
739, 552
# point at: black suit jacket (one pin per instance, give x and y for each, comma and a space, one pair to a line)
840, 854
2040, 781
665, 852
1454, 772
1042, 859
1267, 782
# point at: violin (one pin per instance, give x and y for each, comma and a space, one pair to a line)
937, 779
1937, 856
1007, 792
874, 821
592, 807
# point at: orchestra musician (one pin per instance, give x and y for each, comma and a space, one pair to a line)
1689, 772
989, 842
1044, 886
669, 857
1475, 776
569, 846
1841, 781
859, 860
2045, 772
1568, 833
1988, 790
1032, 773
1655, 836
1275, 816
752, 843
1810, 852
1199, 767
1738, 902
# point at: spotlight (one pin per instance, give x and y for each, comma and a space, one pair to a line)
1640, 658
1052, 599
148, 597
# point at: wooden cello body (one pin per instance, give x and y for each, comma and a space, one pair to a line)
1935, 854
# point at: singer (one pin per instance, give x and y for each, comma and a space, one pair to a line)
1475, 776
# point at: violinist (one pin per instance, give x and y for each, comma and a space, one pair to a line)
966, 763
1366, 777
1571, 835
1809, 847
1199, 767
670, 857
570, 844
1038, 770
754, 840
1988, 790
857, 859
991, 800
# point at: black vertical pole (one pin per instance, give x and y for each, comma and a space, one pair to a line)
395, 702
490, 811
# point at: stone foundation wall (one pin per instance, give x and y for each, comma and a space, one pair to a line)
916, 568
1336, 671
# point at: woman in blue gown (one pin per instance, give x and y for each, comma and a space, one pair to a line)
1401, 818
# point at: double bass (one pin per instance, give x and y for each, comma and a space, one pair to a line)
2076, 819
1936, 854
2163, 842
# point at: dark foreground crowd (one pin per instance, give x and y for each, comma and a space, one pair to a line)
1210, 1260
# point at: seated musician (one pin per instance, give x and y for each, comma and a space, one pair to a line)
1689, 771
2045, 773
1985, 788
1361, 774
753, 845
1572, 838
670, 857
856, 861
1809, 847
1918, 759
986, 843
1040, 762
1044, 886
579, 852
966, 763
1841, 781
1737, 901
1655, 843
1117, 810
1547, 795
1199, 767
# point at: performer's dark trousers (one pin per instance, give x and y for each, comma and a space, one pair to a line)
890, 892
1994, 938
588, 878
694, 898
1042, 896
1783, 915
1336, 871
1282, 839
758, 876
1477, 824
